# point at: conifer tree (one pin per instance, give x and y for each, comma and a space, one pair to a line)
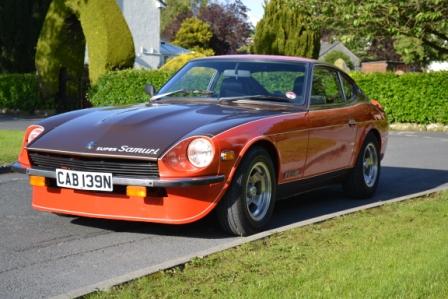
283, 30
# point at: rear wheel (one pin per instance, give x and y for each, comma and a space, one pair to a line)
363, 179
248, 204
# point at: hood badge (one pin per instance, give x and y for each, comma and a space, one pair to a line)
91, 145
123, 149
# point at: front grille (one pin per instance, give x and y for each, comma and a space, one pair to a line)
118, 167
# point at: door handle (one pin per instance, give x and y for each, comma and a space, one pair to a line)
351, 122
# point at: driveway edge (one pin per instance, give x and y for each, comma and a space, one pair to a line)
109, 283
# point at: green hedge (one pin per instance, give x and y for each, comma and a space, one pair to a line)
125, 87
20, 91
409, 98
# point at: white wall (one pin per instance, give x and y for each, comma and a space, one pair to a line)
143, 18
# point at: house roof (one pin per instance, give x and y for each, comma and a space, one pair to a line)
326, 47
167, 49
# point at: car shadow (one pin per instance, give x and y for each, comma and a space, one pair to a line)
394, 182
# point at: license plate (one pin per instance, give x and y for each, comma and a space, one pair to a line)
93, 181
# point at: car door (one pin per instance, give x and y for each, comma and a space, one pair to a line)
332, 129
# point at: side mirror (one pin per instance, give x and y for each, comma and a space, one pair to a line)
149, 89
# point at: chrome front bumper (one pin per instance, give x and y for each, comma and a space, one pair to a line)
173, 182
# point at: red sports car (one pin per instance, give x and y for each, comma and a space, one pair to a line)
231, 133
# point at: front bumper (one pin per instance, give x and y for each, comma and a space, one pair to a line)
177, 206
163, 183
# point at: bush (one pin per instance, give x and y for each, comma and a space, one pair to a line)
20, 91
335, 55
412, 97
125, 87
175, 63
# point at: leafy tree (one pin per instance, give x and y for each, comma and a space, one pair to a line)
335, 55
228, 22
20, 24
229, 25
194, 34
284, 30
174, 8
385, 29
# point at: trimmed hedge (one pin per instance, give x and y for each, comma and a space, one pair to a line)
68, 26
20, 92
125, 87
409, 98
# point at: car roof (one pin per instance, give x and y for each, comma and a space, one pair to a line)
259, 57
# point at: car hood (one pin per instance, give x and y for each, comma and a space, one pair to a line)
145, 131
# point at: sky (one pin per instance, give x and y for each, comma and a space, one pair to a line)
255, 10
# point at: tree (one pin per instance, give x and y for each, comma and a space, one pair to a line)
174, 8
228, 22
385, 29
20, 23
229, 25
284, 30
194, 34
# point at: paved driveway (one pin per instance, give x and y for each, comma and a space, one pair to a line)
16, 123
43, 254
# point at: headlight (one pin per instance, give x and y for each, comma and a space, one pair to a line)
200, 152
34, 134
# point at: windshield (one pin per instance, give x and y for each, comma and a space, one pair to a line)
224, 79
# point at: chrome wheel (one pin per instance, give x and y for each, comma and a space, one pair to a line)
370, 165
258, 191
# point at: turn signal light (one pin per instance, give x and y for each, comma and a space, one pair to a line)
227, 155
136, 191
38, 181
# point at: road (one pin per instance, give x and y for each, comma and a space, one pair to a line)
44, 255
8, 122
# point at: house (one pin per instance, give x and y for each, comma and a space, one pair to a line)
143, 19
326, 48
168, 50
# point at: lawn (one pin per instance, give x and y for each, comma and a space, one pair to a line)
395, 251
10, 142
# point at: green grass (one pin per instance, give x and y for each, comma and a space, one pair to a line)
10, 142
395, 251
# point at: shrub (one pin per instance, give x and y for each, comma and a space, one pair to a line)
175, 63
20, 91
412, 97
125, 87
335, 55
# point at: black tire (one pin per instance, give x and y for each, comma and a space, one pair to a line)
357, 184
237, 211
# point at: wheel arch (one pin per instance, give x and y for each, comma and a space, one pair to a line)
361, 139
264, 143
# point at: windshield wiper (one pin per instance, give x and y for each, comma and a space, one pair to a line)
256, 97
193, 92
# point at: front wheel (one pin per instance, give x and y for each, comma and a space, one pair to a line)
363, 178
248, 204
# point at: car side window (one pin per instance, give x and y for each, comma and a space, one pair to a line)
349, 89
326, 89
